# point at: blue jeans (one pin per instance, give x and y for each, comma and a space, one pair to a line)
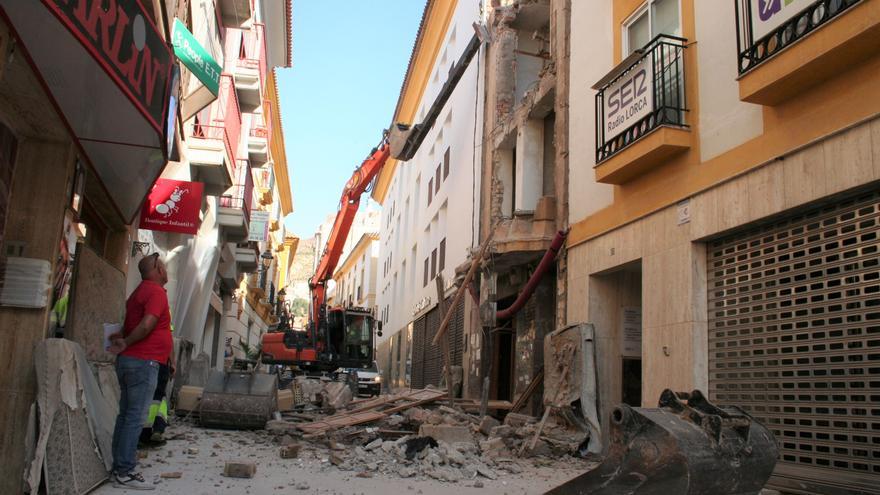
137, 382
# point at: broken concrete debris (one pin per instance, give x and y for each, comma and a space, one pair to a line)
290, 451
412, 435
239, 469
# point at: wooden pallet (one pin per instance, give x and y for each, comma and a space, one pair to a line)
372, 410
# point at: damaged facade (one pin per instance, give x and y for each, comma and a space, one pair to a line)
523, 200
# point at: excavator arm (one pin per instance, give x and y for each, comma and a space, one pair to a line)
348, 207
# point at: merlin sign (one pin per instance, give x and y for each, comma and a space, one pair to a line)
768, 15
629, 98
122, 38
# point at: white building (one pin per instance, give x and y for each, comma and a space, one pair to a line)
429, 218
356, 276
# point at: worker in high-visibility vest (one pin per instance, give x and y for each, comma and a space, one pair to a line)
153, 433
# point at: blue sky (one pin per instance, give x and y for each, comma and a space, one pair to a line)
349, 59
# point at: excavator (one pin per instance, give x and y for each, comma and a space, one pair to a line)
335, 337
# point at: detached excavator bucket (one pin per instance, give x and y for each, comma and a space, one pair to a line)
243, 400
686, 446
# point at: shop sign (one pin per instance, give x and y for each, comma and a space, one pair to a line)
195, 57
768, 15
173, 206
125, 42
259, 227
630, 98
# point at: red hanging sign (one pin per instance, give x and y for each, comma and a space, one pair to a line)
173, 206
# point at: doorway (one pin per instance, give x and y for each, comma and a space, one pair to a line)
502, 364
616, 311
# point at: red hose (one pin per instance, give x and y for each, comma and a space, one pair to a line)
532, 284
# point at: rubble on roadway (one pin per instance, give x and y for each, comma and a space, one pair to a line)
420, 434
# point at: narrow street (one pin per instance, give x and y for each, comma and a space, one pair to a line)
440, 247
199, 455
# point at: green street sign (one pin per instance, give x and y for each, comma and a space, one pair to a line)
195, 57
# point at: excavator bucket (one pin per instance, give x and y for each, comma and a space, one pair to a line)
241, 400
686, 446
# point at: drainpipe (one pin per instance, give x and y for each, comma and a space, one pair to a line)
532, 284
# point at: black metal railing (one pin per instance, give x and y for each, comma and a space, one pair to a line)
645, 93
754, 48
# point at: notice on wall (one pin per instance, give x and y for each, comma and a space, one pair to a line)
631, 332
259, 226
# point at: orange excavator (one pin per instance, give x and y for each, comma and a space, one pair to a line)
337, 337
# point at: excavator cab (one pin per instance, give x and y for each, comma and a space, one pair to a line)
351, 341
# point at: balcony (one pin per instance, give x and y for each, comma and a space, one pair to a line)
791, 46
258, 142
234, 212
213, 141
234, 13
246, 257
640, 111
250, 68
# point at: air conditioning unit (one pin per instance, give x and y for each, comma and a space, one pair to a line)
25, 282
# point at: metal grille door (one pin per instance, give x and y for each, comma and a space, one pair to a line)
794, 339
427, 357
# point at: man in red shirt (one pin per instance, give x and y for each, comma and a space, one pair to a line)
144, 344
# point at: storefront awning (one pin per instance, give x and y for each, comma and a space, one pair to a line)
109, 73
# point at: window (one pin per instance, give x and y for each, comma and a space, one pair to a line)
433, 264
446, 164
425, 283
653, 18
430, 191
442, 254
437, 179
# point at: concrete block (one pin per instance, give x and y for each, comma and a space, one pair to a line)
285, 400
493, 444
487, 424
502, 431
447, 433
281, 427
239, 469
188, 399
290, 451
515, 420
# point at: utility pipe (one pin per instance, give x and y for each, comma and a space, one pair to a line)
532, 284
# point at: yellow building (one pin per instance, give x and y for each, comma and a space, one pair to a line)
724, 204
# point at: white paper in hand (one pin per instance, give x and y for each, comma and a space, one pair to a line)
110, 329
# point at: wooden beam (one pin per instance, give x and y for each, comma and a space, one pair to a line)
461, 288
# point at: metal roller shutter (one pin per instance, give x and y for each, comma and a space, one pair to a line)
794, 339
433, 359
418, 354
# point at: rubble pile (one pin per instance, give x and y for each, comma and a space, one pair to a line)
434, 441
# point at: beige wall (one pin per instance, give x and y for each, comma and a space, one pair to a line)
591, 36
725, 121
674, 260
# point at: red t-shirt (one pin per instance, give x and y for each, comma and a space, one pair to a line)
149, 298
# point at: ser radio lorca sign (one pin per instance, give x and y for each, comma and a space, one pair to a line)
630, 98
